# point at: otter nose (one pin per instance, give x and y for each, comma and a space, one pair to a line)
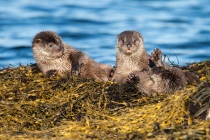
129, 45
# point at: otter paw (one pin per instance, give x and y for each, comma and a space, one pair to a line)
51, 73
157, 57
133, 78
75, 71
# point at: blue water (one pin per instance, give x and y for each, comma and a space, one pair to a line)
180, 28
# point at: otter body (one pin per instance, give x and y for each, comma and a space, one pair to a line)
158, 80
130, 55
92, 69
53, 56
149, 73
86, 67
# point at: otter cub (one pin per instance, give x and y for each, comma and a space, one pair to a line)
159, 79
135, 65
53, 56
130, 55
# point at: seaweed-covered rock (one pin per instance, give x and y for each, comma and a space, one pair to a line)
32, 106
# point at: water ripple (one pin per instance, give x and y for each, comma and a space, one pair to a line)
181, 29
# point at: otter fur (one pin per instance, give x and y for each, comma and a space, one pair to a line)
53, 56
148, 73
130, 55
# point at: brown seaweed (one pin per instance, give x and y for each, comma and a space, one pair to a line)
35, 107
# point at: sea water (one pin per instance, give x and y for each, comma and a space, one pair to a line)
180, 28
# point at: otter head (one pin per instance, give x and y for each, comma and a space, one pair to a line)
129, 42
47, 45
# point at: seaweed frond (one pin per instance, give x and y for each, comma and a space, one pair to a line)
35, 107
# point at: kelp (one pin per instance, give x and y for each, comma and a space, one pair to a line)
35, 107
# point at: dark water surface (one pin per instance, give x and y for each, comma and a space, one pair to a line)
180, 28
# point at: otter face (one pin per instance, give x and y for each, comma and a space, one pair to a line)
128, 42
47, 45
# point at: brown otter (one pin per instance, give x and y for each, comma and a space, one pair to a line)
191, 77
130, 55
150, 74
158, 79
88, 68
51, 54
54, 56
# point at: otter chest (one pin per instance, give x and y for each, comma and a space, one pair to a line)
127, 66
61, 64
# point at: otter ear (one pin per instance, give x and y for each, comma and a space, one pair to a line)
37, 41
118, 36
139, 34
136, 33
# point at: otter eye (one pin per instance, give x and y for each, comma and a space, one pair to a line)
134, 41
122, 41
51, 45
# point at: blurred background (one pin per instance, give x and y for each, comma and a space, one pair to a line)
180, 28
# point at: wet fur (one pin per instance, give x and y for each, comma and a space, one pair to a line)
88, 68
51, 60
127, 63
154, 76
53, 57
